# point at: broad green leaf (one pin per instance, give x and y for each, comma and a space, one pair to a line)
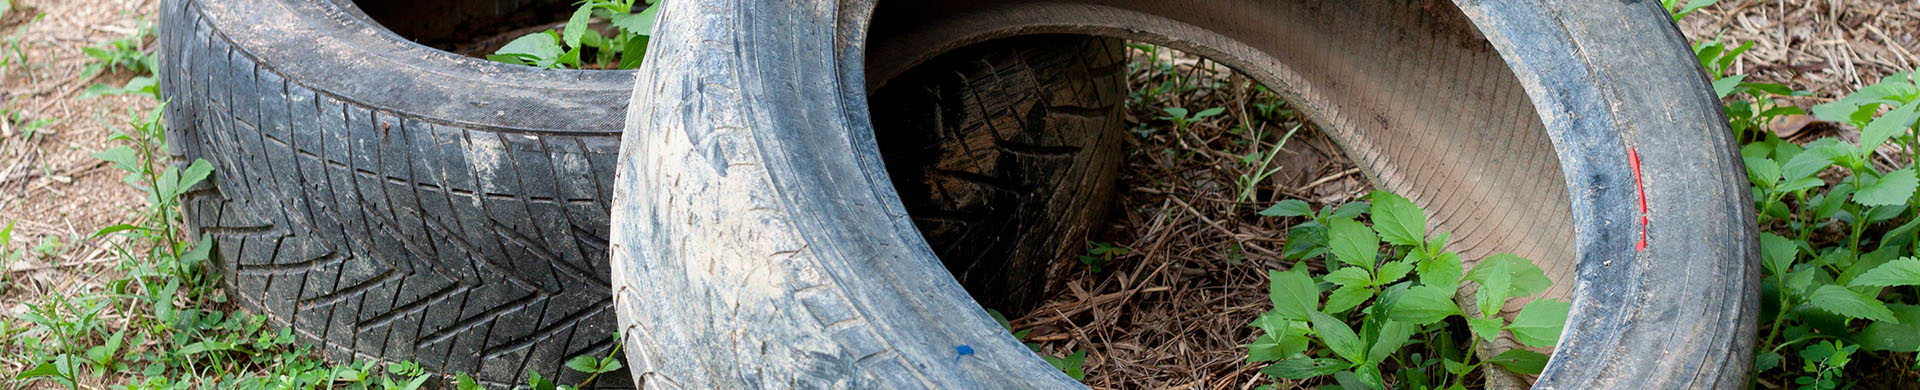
1801, 184
1723, 87
464, 382
1521, 361
1209, 112
1423, 305
576, 26
1888, 125
1766, 361
45, 370
1778, 252
1391, 272
1177, 113
1266, 348
537, 382
1351, 210
1338, 337
1279, 338
122, 157
1442, 271
1352, 242
195, 173
634, 53
1346, 298
1363, 377
1902, 336
1763, 172
1840, 300
1904, 271
1891, 189
583, 363
1527, 278
1303, 368
640, 23
540, 48
1293, 293
1350, 276
1810, 161
1487, 328
1495, 280
1539, 323
1392, 335
1289, 208
610, 364
1398, 220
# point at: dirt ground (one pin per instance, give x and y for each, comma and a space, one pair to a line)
1172, 314
51, 188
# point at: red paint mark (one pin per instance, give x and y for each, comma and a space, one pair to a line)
1633, 158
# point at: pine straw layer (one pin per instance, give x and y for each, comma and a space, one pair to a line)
1173, 313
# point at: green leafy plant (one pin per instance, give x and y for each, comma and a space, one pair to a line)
579, 45
1182, 119
1401, 301
1100, 254
1817, 287
1259, 162
123, 54
1071, 365
1309, 239
594, 367
1681, 10
1824, 364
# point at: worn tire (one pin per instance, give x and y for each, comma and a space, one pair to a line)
759, 242
390, 201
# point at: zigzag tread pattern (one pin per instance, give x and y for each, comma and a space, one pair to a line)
381, 237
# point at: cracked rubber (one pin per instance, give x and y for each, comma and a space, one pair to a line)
391, 201
759, 240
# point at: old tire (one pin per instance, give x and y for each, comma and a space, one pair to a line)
390, 201
758, 241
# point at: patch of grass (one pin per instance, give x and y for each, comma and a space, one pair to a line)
579, 45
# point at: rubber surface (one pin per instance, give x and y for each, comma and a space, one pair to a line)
767, 215
469, 237
1005, 154
386, 200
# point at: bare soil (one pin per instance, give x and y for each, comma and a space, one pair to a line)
51, 188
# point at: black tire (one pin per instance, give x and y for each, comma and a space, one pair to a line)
758, 241
1007, 170
390, 201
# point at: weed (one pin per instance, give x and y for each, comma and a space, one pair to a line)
49, 246
1680, 11
29, 127
1071, 365
123, 54
1100, 254
120, 54
7, 258
578, 45
1259, 163
1392, 308
1814, 299
1182, 119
